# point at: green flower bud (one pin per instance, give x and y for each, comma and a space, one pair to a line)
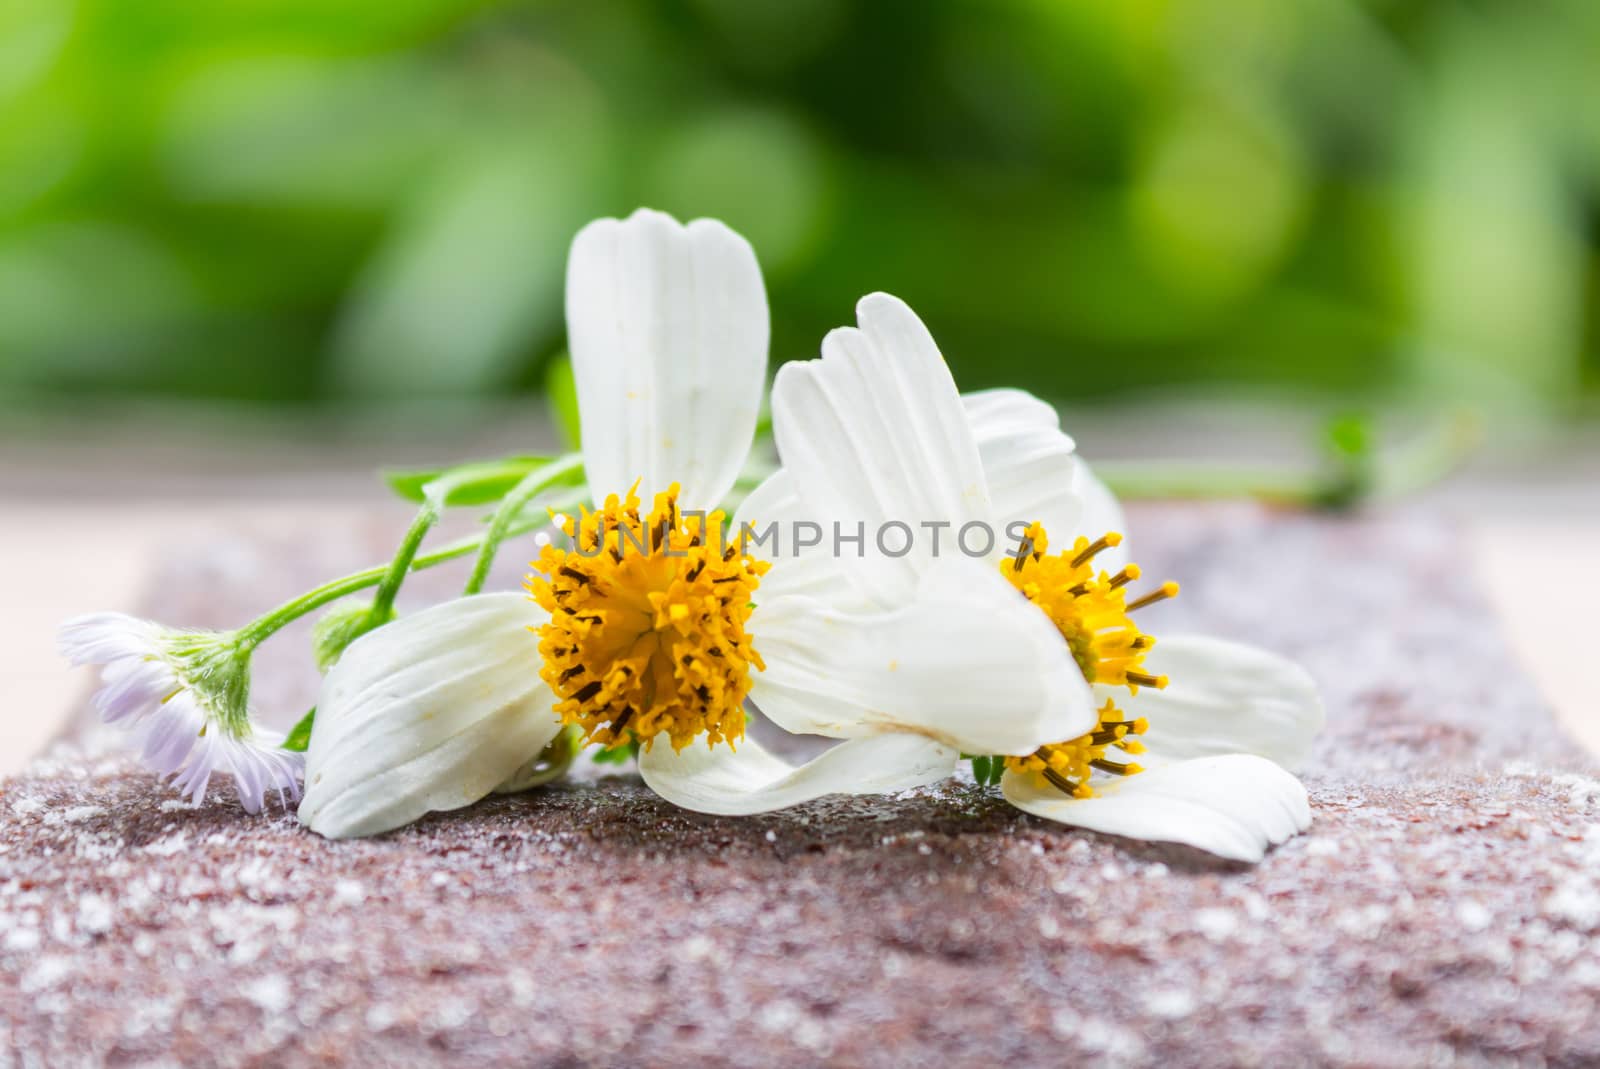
340, 626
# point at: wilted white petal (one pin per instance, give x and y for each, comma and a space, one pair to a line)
1225, 697
1233, 806
875, 433
668, 329
427, 714
1028, 463
751, 780
966, 661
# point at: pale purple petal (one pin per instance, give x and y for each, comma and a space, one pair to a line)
103, 637
153, 691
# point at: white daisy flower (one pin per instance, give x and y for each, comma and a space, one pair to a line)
184, 695
876, 433
643, 630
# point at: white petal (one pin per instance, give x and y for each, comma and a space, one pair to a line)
772, 510
1233, 806
966, 661
668, 330
426, 714
875, 432
1101, 513
751, 780
1028, 464
1225, 697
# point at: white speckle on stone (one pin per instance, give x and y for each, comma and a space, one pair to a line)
1322, 847
452, 1014
94, 915
696, 948
46, 973
173, 805
1473, 916
169, 845
780, 1015
255, 874
771, 836
26, 807
271, 993
1171, 1004
1255, 906
80, 813
1364, 923
22, 940
1586, 974
1048, 927
380, 1017
1216, 924
1577, 902
1581, 790
349, 893
1118, 1044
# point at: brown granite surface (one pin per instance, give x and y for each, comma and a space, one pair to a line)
1442, 909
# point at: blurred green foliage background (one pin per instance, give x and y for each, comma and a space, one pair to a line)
311, 200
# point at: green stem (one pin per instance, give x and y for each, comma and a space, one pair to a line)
510, 508
1169, 480
389, 585
259, 629
1343, 480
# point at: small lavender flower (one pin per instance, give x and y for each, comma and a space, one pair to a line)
185, 697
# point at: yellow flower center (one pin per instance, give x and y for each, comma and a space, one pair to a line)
1090, 609
647, 624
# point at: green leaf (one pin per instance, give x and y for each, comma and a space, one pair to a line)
980, 770
997, 768
561, 389
300, 735
617, 755
1349, 435
1349, 443
477, 482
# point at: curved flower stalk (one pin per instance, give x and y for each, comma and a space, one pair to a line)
875, 434
184, 696
642, 630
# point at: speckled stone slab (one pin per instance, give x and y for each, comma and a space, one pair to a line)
1442, 910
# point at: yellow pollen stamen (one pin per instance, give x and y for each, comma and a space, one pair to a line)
647, 624
1088, 607
1126, 576
1169, 589
1105, 541
1068, 765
